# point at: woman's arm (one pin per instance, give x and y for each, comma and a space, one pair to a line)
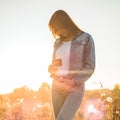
89, 63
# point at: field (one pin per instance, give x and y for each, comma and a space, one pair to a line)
26, 104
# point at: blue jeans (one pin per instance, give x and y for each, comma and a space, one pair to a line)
66, 105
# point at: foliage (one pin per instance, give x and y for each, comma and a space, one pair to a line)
2, 113
116, 102
26, 104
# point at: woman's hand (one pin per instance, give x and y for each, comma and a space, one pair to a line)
51, 70
64, 85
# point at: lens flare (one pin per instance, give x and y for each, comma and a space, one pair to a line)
94, 109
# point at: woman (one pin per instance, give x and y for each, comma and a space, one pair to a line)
73, 63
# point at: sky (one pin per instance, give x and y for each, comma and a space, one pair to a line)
26, 44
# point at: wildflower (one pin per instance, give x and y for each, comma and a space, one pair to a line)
117, 112
109, 99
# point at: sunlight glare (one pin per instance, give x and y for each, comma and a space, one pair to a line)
94, 109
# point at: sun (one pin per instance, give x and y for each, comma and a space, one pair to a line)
94, 109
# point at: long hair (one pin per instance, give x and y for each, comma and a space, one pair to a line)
61, 25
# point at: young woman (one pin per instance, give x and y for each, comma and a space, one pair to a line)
73, 63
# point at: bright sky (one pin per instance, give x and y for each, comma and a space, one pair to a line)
26, 42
